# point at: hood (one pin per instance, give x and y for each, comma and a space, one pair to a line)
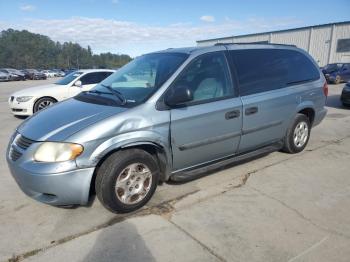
36, 89
64, 119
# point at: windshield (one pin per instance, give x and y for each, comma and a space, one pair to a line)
332, 67
139, 79
68, 78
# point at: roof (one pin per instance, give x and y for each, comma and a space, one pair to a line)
186, 50
276, 31
189, 50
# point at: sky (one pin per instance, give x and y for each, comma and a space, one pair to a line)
136, 27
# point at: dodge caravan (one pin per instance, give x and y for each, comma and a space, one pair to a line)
168, 115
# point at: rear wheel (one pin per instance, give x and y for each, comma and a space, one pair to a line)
297, 135
126, 180
43, 103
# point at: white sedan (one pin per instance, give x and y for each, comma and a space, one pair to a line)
49, 73
28, 101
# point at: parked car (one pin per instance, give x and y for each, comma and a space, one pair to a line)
4, 76
58, 73
13, 74
345, 95
337, 73
68, 71
28, 101
169, 115
49, 73
26, 74
34, 74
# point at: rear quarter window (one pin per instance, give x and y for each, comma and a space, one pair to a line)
261, 70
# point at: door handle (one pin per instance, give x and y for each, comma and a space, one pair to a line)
232, 114
251, 110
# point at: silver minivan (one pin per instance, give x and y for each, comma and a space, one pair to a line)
168, 115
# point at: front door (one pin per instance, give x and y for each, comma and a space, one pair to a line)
209, 127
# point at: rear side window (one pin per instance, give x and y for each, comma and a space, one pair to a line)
261, 70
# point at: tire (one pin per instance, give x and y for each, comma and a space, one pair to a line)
41, 102
295, 140
345, 104
337, 80
118, 169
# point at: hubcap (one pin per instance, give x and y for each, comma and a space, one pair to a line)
43, 104
301, 133
133, 183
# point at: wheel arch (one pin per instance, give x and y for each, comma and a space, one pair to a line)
156, 150
309, 112
38, 98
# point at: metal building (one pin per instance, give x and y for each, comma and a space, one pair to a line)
327, 43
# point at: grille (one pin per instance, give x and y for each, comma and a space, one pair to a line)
14, 154
21, 142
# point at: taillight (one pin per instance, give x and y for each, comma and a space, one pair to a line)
325, 89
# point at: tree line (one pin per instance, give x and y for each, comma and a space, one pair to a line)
23, 49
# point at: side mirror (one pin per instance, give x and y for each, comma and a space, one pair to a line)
78, 83
178, 96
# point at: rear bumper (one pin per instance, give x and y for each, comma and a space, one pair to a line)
320, 115
66, 188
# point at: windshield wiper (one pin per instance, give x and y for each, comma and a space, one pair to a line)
116, 93
98, 92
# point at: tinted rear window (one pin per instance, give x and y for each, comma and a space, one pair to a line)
261, 70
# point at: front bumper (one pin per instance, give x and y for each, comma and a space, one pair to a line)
21, 109
67, 188
51, 183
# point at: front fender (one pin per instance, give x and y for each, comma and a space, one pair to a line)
94, 154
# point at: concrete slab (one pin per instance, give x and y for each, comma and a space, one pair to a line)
244, 225
149, 238
281, 212
317, 184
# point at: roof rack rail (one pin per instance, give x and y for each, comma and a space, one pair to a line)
253, 43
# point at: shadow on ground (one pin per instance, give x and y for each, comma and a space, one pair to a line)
334, 101
121, 243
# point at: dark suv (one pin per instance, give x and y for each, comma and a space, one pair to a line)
337, 73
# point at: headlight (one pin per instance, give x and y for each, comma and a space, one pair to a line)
57, 152
23, 98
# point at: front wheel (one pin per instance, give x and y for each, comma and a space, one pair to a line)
297, 135
43, 103
126, 180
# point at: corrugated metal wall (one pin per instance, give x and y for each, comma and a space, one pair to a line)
320, 44
340, 32
319, 41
